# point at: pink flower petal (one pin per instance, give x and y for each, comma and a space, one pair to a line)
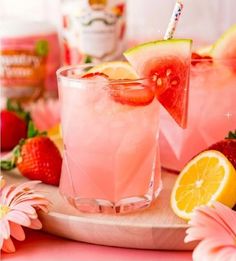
35, 201
17, 231
24, 207
4, 228
2, 183
226, 253
201, 227
38, 199
205, 250
207, 220
18, 218
216, 227
35, 224
8, 246
206, 213
22, 188
5, 193
23, 203
33, 216
214, 250
43, 208
45, 114
227, 215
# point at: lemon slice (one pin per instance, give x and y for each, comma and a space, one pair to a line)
224, 47
56, 136
115, 70
206, 178
205, 50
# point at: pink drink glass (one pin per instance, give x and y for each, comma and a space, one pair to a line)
211, 113
111, 159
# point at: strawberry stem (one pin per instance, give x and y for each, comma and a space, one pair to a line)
33, 131
231, 135
11, 163
16, 152
17, 108
7, 164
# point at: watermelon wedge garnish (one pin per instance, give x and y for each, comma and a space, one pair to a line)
167, 64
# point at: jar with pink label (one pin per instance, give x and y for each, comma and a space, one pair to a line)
29, 57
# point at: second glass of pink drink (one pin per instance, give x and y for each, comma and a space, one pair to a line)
212, 114
212, 109
111, 161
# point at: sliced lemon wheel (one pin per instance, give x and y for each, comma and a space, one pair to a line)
115, 70
207, 178
205, 50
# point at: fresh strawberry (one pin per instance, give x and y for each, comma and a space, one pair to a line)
13, 127
227, 147
134, 94
37, 158
197, 58
40, 160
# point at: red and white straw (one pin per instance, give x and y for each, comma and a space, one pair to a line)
174, 20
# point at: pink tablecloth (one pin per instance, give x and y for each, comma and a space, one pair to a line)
40, 246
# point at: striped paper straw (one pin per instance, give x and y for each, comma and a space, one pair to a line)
174, 20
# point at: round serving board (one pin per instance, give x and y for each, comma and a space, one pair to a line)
153, 228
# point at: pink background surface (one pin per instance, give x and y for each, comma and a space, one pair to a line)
40, 246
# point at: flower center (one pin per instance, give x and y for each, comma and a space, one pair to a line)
3, 210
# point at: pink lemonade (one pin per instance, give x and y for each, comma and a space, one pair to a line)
211, 115
111, 160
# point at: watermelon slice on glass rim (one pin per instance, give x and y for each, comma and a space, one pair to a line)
167, 64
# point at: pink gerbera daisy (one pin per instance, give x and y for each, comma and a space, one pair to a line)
215, 227
18, 207
45, 113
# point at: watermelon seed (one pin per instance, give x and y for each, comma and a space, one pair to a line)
154, 77
175, 82
159, 81
168, 72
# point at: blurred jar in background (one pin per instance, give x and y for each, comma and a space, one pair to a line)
203, 21
93, 30
29, 49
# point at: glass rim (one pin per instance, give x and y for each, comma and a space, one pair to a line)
209, 58
81, 66
62, 69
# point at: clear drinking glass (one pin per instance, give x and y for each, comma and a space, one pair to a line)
211, 113
111, 159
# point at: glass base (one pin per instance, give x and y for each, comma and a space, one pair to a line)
126, 205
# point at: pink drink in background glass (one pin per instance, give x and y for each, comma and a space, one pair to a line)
211, 114
111, 160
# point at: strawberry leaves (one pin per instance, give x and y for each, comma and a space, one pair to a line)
231, 135
17, 108
33, 131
